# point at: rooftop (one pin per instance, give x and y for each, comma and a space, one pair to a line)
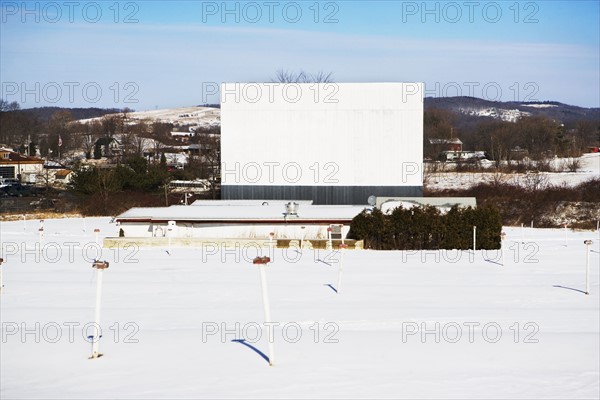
12, 157
243, 212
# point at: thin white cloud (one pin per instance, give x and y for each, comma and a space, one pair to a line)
180, 54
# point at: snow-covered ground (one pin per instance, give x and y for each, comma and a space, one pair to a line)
496, 113
520, 330
199, 116
539, 105
590, 168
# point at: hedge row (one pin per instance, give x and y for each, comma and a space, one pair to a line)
426, 228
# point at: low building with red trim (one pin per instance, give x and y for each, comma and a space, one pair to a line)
252, 219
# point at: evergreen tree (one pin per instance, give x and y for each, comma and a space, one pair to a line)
97, 151
32, 149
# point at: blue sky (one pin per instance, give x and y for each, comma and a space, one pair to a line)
153, 54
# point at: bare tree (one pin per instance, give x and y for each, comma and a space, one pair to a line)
92, 132
17, 128
6, 106
126, 111
59, 137
210, 146
140, 143
135, 140
157, 146
286, 76
87, 142
111, 125
535, 181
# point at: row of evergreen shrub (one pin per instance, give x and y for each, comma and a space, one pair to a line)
426, 228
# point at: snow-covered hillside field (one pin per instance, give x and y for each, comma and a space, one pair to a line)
404, 325
197, 115
590, 168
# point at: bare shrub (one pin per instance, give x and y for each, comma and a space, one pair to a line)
428, 170
535, 181
498, 179
518, 204
544, 165
432, 167
573, 164
590, 190
569, 165
520, 166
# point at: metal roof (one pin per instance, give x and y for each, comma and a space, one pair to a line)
242, 213
248, 202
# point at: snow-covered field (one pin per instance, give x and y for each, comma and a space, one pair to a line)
590, 168
197, 115
496, 113
404, 324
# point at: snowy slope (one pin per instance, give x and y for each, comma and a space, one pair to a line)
496, 113
198, 116
548, 346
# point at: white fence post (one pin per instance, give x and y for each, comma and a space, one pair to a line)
502, 237
588, 244
1, 282
271, 248
341, 270
262, 263
522, 233
100, 267
170, 228
303, 236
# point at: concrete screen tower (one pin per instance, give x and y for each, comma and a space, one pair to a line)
333, 143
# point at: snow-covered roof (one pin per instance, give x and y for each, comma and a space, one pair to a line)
247, 202
12, 157
53, 165
242, 213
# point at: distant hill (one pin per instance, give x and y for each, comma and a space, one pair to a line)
44, 114
471, 110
